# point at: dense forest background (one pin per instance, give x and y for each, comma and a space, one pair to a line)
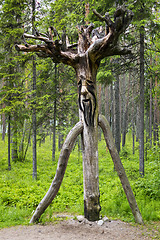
38, 103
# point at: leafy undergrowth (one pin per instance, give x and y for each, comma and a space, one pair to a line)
20, 194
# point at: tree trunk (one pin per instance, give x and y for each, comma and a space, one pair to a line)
107, 108
125, 117
133, 138
141, 128
123, 103
34, 102
34, 122
55, 114
112, 110
60, 141
133, 120
137, 123
14, 138
156, 113
86, 76
100, 107
9, 142
3, 126
21, 146
117, 115
120, 169
150, 112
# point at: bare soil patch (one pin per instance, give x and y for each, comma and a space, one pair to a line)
74, 230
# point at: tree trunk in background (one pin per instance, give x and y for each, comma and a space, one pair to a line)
156, 113
123, 107
123, 101
107, 108
34, 101
133, 119
150, 111
133, 138
112, 110
21, 146
60, 139
34, 121
137, 123
54, 131
3, 126
9, 142
29, 129
125, 117
141, 128
14, 140
3, 117
55, 114
117, 115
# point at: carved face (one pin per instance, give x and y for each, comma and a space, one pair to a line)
87, 100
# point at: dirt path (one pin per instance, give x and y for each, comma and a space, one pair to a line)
75, 230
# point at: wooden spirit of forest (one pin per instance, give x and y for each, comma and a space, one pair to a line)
85, 56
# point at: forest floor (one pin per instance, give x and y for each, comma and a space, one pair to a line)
72, 229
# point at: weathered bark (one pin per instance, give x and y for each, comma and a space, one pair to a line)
62, 164
120, 169
99, 107
86, 76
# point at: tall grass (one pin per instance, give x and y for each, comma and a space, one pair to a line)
19, 194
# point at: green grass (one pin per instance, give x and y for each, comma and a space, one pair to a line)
20, 194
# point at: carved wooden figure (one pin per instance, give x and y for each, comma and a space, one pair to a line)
85, 57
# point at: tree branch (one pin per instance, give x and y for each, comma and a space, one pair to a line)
108, 45
105, 19
103, 123
97, 47
50, 49
45, 52
41, 38
62, 164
